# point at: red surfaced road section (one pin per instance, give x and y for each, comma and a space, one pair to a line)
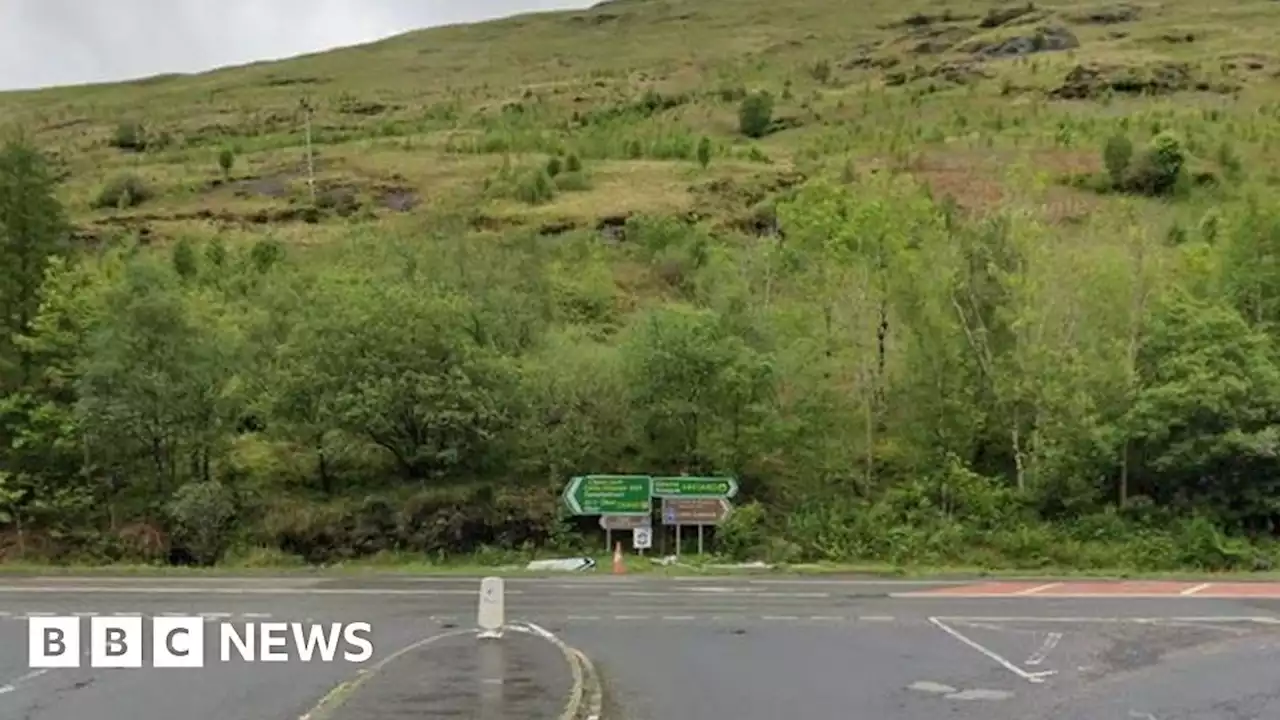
1106, 588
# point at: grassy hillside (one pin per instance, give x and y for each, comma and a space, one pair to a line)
942, 282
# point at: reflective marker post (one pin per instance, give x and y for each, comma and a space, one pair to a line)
492, 607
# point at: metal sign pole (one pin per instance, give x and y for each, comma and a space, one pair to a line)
699, 539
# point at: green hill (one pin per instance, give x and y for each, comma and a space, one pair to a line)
946, 283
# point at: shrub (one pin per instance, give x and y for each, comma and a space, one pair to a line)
123, 191
226, 158
1116, 155
202, 514
704, 151
554, 166
1158, 169
129, 136
536, 188
573, 163
755, 114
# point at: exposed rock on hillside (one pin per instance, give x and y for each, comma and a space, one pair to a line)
1044, 39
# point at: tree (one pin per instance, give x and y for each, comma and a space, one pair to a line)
755, 114
704, 151
33, 230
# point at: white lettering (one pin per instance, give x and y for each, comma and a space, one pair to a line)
328, 644
273, 637
243, 644
353, 638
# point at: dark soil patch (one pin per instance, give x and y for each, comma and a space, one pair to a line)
1045, 39
999, 17
955, 72
1249, 62
869, 62
1107, 15
1087, 82
399, 199
921, 20
272, 187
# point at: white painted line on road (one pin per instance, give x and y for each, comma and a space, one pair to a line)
1038, 588
41, 614
160, 590
677, 617
779, 617
17, 682
1196, 589
876, 618
861, 582
85, 614
826, 618
583, 617
630, 617
1050, 619
1049, 644
215, 615
1029, 677
255, 615
743, 595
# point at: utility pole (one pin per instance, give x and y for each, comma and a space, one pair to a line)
306, 106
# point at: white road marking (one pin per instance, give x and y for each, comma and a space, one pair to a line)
743, 595
583, 617
1049, 644
1029, 677
876, 618
779, 617
1036, 618
161, 590
1196, 589
827, 618
630, 617
677, 617
17, 682
1038, 588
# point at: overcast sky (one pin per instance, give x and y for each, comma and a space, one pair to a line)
65, 42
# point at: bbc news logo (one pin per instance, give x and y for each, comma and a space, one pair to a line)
179, 642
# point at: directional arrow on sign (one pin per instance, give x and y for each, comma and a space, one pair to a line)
571, 493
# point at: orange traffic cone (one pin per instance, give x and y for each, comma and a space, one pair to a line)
619, 567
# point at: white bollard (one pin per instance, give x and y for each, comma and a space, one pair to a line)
492, 608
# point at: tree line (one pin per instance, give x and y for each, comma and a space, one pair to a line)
890, 378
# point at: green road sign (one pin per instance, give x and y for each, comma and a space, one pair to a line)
695, 487
610, 495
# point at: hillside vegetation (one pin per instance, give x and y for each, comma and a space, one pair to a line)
943, 283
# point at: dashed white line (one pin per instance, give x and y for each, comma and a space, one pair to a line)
826, 618
677, 617
779, 617
876, 618
630, 617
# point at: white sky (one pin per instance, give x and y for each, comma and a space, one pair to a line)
66, 42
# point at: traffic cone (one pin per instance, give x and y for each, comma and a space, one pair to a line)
619, 567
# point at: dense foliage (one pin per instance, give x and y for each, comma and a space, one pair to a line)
892, 380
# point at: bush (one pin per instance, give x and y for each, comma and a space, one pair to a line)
129, 136
755, 114
554, 166
1116, 155
704, 151
535, 188
202, 515
226, 158
123, 191
1158, 170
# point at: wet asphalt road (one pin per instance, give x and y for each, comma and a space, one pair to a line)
697, 648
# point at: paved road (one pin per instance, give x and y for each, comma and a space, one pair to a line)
741, 648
